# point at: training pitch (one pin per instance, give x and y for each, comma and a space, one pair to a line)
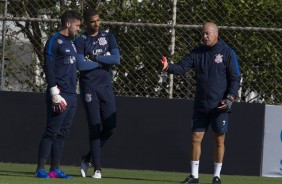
11, 173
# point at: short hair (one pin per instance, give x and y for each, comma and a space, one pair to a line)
89, 13
211, 24
69, 16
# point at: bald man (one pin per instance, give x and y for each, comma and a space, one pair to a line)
217, 83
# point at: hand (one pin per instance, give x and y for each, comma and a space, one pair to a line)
59, 103
94, 56
163, 64
225, 105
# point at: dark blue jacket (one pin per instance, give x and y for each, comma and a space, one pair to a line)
96, 74
60, 63
217, 74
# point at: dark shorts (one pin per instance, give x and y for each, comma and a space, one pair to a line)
218, 120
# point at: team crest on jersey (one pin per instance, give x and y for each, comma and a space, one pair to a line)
60, 41
102, 41
218, 58
87, 97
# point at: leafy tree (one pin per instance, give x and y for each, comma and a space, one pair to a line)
259, 51
141, 45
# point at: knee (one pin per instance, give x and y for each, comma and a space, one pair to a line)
197, 137
64, 133
94, 131
50, 135
107, 133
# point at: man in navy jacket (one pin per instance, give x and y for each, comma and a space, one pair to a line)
97, 51
217, 82
61, 97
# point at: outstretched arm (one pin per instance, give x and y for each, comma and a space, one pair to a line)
179, 68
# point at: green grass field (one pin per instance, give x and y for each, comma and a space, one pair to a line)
11, 173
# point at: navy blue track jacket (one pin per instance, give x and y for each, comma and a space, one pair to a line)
60, 63
96, 74
217, 74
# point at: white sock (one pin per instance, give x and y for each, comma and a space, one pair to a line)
217, 169
195, 168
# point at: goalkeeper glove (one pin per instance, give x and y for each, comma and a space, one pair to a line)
225, 105
163, 64
94, 56
59, 103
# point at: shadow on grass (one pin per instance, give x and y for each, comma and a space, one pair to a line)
31, 175
139, 179
16, 173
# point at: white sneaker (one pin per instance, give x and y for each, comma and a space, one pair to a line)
84, 166
97, 174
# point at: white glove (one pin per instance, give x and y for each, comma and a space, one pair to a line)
59, 103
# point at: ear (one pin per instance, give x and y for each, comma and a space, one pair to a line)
68, 24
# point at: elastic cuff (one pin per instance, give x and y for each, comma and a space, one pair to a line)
54, 90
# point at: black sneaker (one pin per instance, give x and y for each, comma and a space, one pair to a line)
190, 179
216, 180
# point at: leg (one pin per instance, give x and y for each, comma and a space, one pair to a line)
108, 114
91, 104
87, 157
197, 138
52, 129
218, 156
220, 127
59, 141
219, 147
200, 126
95, 145
200, 123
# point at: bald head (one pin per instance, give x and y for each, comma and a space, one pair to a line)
211, 26
210, 33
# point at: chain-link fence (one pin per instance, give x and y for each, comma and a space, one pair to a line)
145, 30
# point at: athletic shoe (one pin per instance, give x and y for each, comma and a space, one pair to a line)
216, 180
190, 179
84, 166
40, 173
97, 174
53, 174
57, 173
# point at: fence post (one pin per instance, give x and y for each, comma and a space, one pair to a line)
172, 46
2, 81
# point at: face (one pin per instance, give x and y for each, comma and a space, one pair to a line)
73, 27
210, 34
93, 23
